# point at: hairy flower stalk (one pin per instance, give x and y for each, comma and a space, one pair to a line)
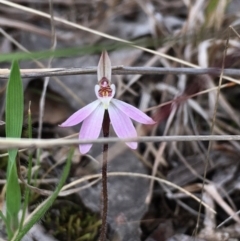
105, 129
98, 115
119, 112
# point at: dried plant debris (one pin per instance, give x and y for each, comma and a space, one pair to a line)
56, 109
184, 33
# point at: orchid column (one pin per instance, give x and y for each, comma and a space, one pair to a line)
99, 114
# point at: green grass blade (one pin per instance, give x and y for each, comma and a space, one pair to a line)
14, 121
58, 53
43, 207
29, 174
6, 223
14, 103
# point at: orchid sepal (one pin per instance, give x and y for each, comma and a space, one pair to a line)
104, 67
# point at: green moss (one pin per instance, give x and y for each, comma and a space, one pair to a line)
68, 221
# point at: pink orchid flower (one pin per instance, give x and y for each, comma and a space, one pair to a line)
119, 112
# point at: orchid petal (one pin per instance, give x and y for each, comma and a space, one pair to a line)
104, 67
122, 125
81, 114
133, 112
91, 128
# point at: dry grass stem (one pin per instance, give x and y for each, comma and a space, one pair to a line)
110, 174
120, 70
36, 143
58, 81
81, 27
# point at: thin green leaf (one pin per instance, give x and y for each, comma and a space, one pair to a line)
211, 7
66, 52
14, 103
6, 223
38, 213
14, 121
29, 174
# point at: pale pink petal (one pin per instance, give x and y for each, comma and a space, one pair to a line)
133, 112
81, 114
122, 125
91, 128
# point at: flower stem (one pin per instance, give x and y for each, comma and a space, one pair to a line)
105, 128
